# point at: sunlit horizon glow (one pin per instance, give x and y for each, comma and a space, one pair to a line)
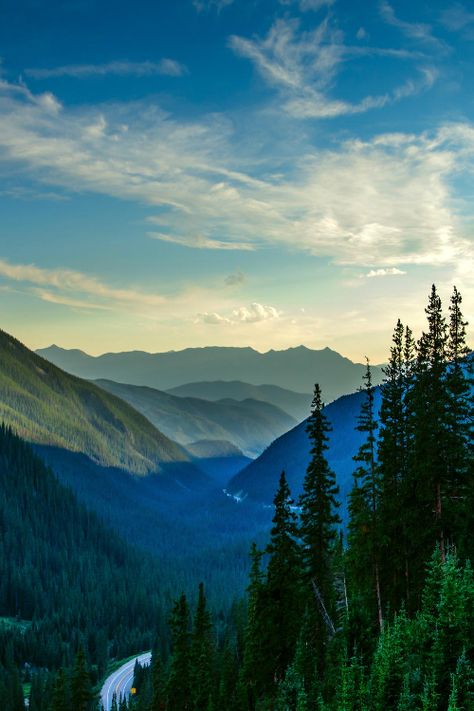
268, 174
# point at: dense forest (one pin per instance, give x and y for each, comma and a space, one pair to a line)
377, 617
67, 583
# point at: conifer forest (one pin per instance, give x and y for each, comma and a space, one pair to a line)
373, 615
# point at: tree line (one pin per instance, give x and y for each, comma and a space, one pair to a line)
379, 617
382, 618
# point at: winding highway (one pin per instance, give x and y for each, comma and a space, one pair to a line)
120, 682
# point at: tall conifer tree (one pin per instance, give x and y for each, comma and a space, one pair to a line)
179, 680
202, 653
319, 518
281, 607
365, 502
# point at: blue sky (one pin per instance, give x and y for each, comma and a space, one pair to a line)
237, 172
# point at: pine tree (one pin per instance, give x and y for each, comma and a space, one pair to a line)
254, 654
60, 697
364, 526
158, 695
431, 405
202, 652
179, 680
281, 599
460, 429
318, 502
392, 451
81, 688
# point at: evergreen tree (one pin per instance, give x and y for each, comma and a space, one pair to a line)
158, 693
318, 502
364, 526
202, 653
60, 696
392, 454
81, 688
281, 599
430, 453
254, 654
179, 680
460, 414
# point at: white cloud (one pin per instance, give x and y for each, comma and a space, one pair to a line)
457, 18
414, 30
392, 271
255, 313
303, 66
65, 283
199, 241
212, 318
385, 202
169, 67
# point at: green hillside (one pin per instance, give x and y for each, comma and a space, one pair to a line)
49, 407
251, 425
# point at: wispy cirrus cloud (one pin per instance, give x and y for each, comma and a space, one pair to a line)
303, 67
207, 5
64, 286
305, 5
199, 241
418, 31
166, 67
457, 19
381, 203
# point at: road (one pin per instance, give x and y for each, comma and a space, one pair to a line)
120, 682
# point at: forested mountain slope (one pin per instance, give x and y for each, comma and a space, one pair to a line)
70, 579
251, 425
50, 407
295, 404
291, 453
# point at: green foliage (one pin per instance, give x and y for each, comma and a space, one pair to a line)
407, 557
47, 406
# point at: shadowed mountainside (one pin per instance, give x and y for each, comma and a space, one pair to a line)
291, 453
49, 407
251, 425
295, 404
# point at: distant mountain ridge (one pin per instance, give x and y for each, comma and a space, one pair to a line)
294, 369
251, 425
295, 404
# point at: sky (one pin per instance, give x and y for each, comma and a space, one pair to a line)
233, 172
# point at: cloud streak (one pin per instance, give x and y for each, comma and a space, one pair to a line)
303, 67
380, 203
67, 282
166, 67
418, 31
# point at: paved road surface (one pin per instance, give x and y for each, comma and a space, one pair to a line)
120, 682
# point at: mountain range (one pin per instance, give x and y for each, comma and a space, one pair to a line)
295, 404
295, 369
49, 407
251, 425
